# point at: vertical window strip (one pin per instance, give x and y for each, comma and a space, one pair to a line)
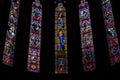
88, 57
9, 47
61, 63
112, 39
35, 37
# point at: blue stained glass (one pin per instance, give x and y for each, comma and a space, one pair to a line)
113, 44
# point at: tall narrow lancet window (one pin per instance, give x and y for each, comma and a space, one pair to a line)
112, 39
88, 57
35, 37
61, 63
9, 47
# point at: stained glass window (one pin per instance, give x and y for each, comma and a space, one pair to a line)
60, 40
112, 39
9, 47
88, 57
35, 37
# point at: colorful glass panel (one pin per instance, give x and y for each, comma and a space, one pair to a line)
9, 47
60, 40
35, 37
112, 39
88, 57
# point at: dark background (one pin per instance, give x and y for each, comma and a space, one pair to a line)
19, 70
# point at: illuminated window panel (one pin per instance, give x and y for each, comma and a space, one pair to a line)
35, 37
88, 57
61, 65
112, 39
9, 47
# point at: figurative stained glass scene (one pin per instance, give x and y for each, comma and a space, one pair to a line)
112, 39
61, 64
88, 57
9, 47
88, 47
35, 37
